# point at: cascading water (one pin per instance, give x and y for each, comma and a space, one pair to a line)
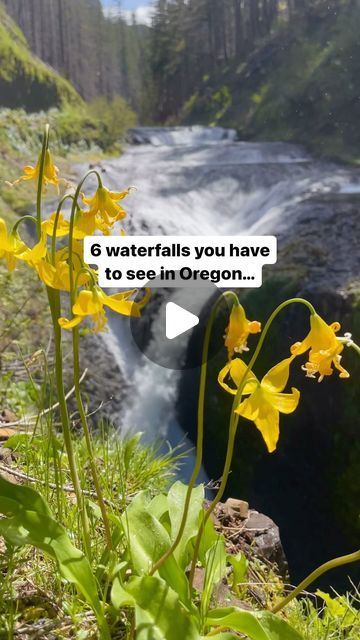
201, 181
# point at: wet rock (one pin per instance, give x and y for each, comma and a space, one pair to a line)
251, 532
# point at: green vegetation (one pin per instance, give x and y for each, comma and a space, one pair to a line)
119, 550
25, 81
272, 70
301, 86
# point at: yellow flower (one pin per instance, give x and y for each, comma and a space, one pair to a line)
84, 225
92, 302
37, 253
11, 246
265, 401
62, 228
105, 204
238, 331
50, 175
325, 349
58, 276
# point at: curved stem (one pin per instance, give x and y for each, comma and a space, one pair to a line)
327, 566
45, 145
76, 363
23, 219
68, 196
71, 230
54, 301
234, 420
84, 270
200, 429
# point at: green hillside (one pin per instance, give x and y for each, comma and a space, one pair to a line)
300, 85
25, 81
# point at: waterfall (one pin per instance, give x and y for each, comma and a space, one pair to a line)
201, 181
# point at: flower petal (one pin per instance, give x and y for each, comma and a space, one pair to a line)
276, 379
266, 418
70, 324
236, 369
284, 402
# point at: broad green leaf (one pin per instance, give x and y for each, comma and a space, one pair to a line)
176, 578
215, 570
147, 538
158, 612
176, 501
158, 506
28, 521
239, 564
257, 625
120, 597
208, 540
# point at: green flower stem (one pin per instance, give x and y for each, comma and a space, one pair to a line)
88, 441
45, 145
68, 196
23, 219
233, 424
76, 364
200, 429
83, 271
54, 301
71, 230
327, 566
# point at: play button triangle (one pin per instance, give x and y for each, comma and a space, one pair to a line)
178, 320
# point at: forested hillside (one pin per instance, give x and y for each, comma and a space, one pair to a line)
272, 69
24, 80
100, 57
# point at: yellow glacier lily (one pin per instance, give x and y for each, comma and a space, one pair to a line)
105, 204
92, 302
266, 400
324, 349
238, 330
11, 246
50, 175
85, 224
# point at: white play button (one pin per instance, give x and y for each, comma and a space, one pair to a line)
178, 320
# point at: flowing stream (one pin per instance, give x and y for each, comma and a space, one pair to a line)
200, 180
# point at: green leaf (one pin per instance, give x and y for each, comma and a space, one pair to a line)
29, 521
147, 538
158, 612
176, 501
257, 625
239, 564
158, 506
175, 577
208, 539
120, 597
215, 570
